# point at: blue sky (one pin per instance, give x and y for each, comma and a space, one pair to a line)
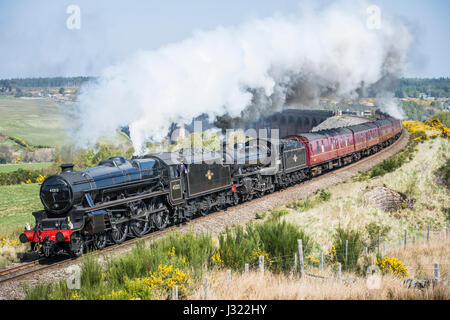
34, 39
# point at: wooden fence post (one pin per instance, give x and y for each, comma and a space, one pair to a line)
261, 264
365, 251
379, 241
321, 261
436, 272
414, 240
384, 250
300, 257
205, 286
228, 277
295, 262
404, 242
175, 293
246, 268
346, 253
428, 233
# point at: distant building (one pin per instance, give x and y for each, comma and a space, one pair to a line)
367, 113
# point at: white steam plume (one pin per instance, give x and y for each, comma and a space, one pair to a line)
257, 65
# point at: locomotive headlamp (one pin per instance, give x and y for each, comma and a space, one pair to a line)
23, 238
59, 237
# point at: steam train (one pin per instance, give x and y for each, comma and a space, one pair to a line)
122, 198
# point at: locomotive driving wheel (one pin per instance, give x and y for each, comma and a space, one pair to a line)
159, 219
77, 246
119, 233
100, 241
140, 226
205, 207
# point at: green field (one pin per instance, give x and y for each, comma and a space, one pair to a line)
17, 202
5, 168
37, 121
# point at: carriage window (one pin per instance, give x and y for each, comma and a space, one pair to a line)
323, 147
318, 148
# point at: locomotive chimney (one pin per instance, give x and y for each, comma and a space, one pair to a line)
67, 167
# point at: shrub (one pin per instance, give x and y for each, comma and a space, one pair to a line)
392, 265
42, 291
324, 195
279, 241
354, 238
275, 239
372, 230
443, 174
91, 271
145, 272
304, 205
182, 251
276, 214
21, 176
236, 246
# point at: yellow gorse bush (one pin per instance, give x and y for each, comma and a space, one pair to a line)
216, 259
312, 258
392, 265
331, 255
429, 125
114, 295
166, 277
22, 143
258, 252
8, 243
39, 179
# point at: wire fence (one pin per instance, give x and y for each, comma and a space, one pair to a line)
326, 265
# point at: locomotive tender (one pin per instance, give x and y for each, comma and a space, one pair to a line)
122, 198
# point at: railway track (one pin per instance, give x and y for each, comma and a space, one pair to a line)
44, 265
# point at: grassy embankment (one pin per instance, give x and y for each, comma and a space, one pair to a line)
347, 207
16, 205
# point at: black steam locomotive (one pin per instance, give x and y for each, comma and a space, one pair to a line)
122, 198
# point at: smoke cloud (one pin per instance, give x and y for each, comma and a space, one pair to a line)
257, 67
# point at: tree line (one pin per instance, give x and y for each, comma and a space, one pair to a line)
413, 87
45, 82
403, 87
